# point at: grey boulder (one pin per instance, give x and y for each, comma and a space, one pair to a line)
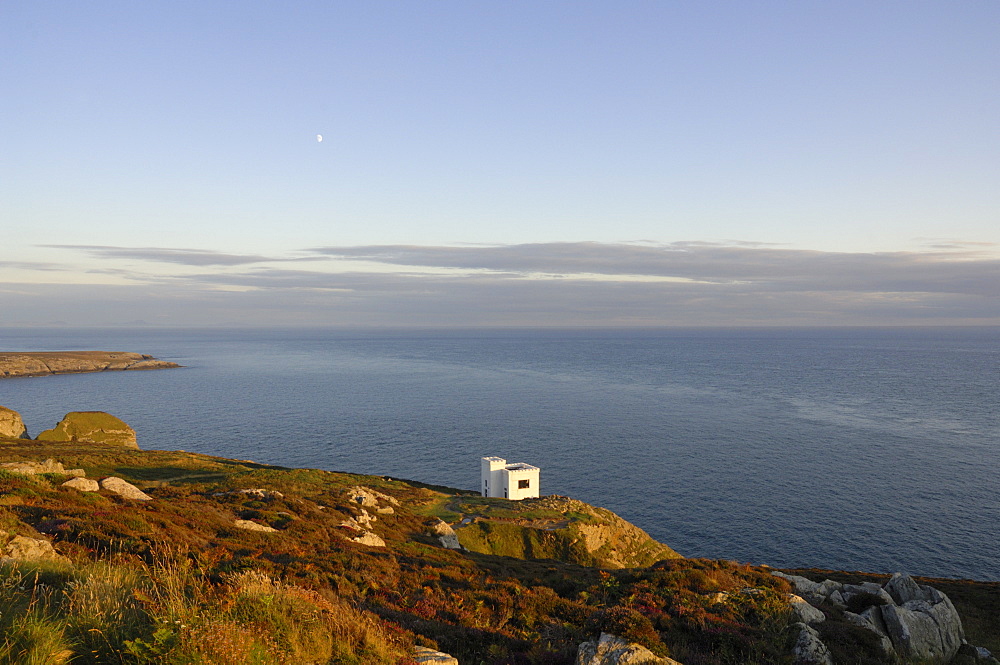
82, 484
124, 489
612, 650
809, 649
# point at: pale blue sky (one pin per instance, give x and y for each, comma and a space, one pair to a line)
843, 128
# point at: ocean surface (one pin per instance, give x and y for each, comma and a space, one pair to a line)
860, 449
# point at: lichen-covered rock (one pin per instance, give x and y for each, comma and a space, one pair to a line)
369, 498
124, 489
256, 493
254, 526
803, 586
445, 534
22, 548
924, 625
871, 619
91, 427
82, 484
809, 649
925, 632
48, 466
613, 650
431, 657
368, 538
11, 424
902, 588
880, 595
803, 612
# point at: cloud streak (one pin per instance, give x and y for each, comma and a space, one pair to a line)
965, 271
187, 257
555, 284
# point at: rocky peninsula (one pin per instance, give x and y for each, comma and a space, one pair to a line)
44, 363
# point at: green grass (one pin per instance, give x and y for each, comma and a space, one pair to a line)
439, 507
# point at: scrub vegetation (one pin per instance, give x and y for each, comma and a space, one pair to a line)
175, 580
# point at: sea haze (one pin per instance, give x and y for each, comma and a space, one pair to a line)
868, 449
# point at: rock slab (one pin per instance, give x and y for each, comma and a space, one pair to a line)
124, 489
809, 649
613, 650
254, 526
803, 612
33, 468
22, 548
368, 538
924, 632
91, 427
431, 657
445, 535
82, 484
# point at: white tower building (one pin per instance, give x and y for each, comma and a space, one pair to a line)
509, 481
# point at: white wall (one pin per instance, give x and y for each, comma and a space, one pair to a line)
502, 480
491, 483
516, 477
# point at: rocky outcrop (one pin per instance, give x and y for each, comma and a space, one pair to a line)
359, 522
612, 650
803, 612
368, 538
871, 619
91, 427
256, 494
362, 498
915, 622
369, 498
247, 525
124, 489
22, 548
82, 484
33, 468
445, 534
557, 527
424, 655
11, 424
14, 364
923, 625
809, 649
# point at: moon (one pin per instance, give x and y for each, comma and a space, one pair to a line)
319, 138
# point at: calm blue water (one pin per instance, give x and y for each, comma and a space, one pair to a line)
854, 449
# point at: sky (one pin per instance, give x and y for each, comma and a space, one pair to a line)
512, 163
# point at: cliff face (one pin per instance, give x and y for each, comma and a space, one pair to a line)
74, 362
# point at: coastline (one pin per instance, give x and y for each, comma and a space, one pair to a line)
47, 363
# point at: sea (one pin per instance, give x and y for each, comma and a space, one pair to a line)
871, 449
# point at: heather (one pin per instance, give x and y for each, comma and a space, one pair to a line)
175, 580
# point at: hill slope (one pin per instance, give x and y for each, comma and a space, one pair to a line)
229, 561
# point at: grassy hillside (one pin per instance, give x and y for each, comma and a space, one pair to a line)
179, 579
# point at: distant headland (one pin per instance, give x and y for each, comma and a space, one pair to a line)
44, 363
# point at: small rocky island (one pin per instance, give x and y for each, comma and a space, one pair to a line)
44, 363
